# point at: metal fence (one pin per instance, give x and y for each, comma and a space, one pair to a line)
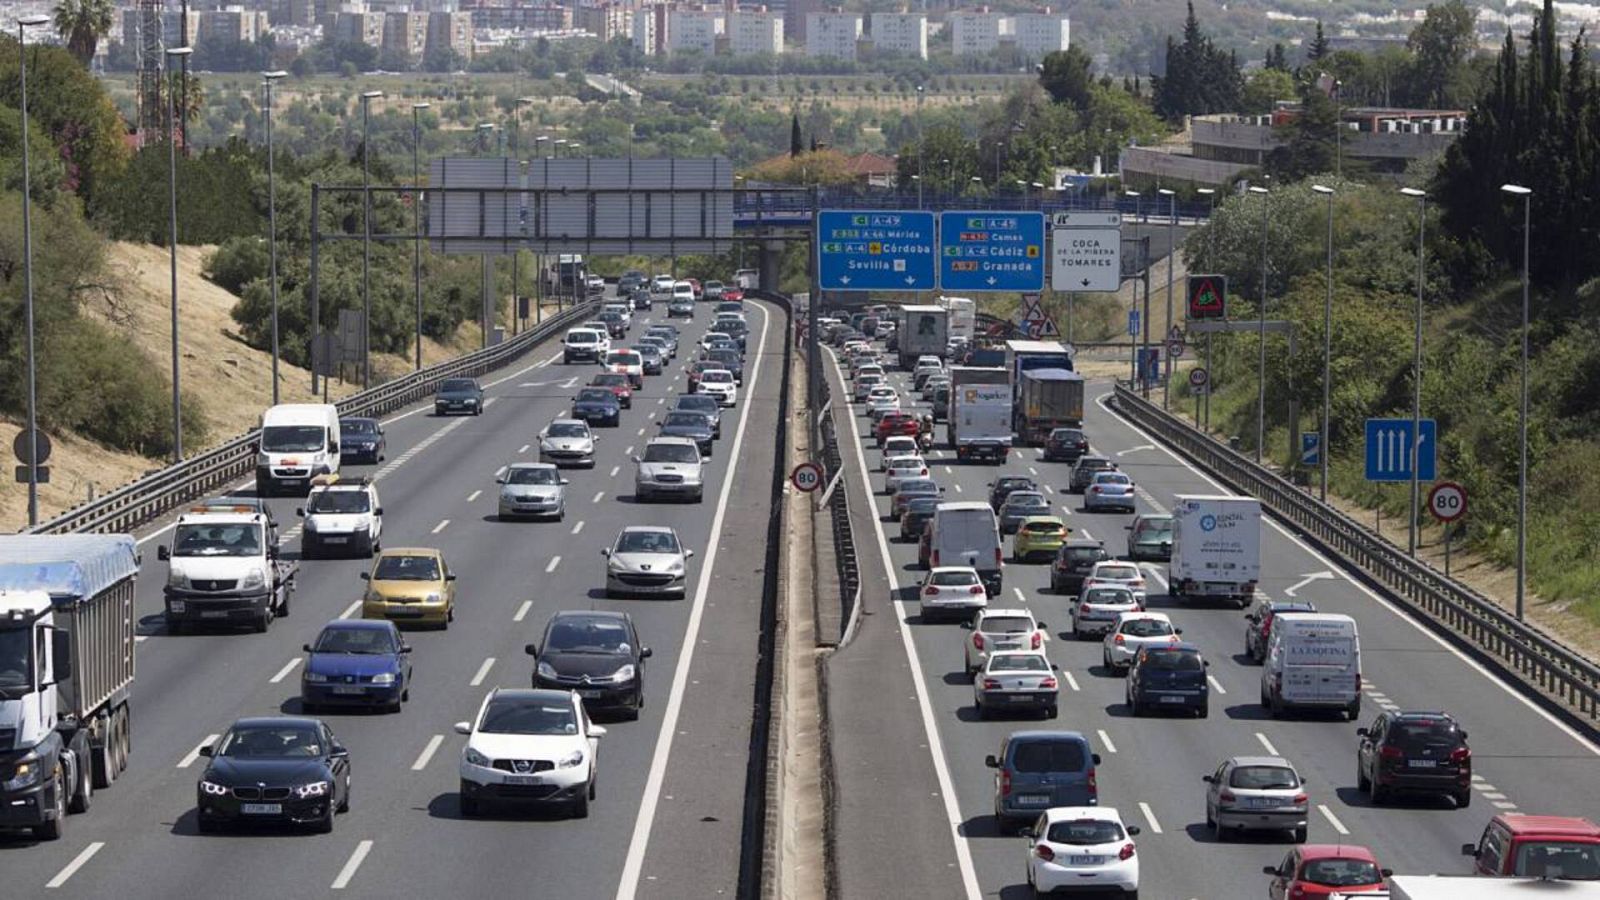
1528, 654
141, 501
847, 564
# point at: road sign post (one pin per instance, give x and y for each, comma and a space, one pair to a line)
1208, 297
806, 477
1448, 502
1389, 450
875, 250
1086, 251
991, 251
1311, 449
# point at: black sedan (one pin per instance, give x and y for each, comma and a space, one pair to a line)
702, 404
597, 406
462, 395
596, 653
274, 769
1065, 444
1084, 470
695, 426
641, 300
1001, 488
727, 359
361, 440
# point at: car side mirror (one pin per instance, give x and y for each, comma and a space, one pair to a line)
1095, 758
300, 511
1127, 528
378, 511
1387, 873
499, 481
597, 731
463, 728
531, 649
991, 762
605, 551
543, 435
705, 460
1269, 870
405, 648
967, 625
1361, 732
366, 576
339, 751
1208, 778
207, 751
565, 481
333, 448
637, 459
646, 653
1466, 849
163, 552
1177, 631
450, 577
1463, 735
1206, 663
255, 446
687, 554
1041, 626
306, 647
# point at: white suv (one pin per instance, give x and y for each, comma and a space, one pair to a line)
661, 285
682, 290
530, 745
341, 515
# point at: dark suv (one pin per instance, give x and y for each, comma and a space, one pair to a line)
1169, 678
1414, 752
1072, 564
1001, 488
1084, 470
1036, 770
1065, 444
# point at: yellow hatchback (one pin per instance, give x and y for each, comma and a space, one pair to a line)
410, 586
1038, 535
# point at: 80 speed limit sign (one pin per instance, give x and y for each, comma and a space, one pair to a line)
806, 477
1447, 501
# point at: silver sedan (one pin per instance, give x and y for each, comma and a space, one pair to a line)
1016, 680
647, 559
532, 489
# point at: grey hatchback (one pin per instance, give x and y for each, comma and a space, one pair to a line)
1037, 770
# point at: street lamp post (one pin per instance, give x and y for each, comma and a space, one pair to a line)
366, 239
1327, 352
23, 24
174, 54
272, 227
1211, 370
920, 149
1261, 334
1416, 373
416, 217
1143, 346
1172, 251
1522, 417
485, 317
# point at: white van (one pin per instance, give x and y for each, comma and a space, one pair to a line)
299, 441
1313, 662
965, 534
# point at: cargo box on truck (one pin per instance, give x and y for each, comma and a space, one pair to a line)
923, 332
1047, 399
1216, 547
979, 426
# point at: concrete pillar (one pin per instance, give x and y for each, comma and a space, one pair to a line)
771, 264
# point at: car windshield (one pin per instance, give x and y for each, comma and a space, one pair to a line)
1264, 778
601, 395
567, 430
1093, 464
623, 358
582, 337
920, 486
1026, 499
1172, 661
953, 579
1108, 597
1112, 478
586, 635
906, 462
519, 716
1081, 554
610, 379
458, 384
1006, 625
1566, 860
717, 376
334, 501
357, 426
1049, 756
723, 356
1340, 872
1146, 628
673, 453
16, 670
354, 640
1117, 573
704, 404
407, 568
292, 438
1042, 527
922, 506
735, 327
1416, 734
647, 542
1084, 832
686, 420
532, 476
1154, 528
270, 742
1066, 434
1018, 662
239, 539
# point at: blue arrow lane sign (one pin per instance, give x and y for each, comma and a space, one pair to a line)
875, 250
991, 251
1389, 450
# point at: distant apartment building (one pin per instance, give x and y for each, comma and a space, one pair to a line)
1040, 34
833, 34
523, 17
230, 25
406, 32
757, 31
900, 33
453, 30
171, 28
354, 28
650, 29
605, 20
796, 15
977, 32
693, 30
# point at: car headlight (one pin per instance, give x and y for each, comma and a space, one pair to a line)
676, 566
28, 773
373, 597
546, 446
314, 789
319, 456
315, 677
214, 789
256, 578
263, 460
575, 758
177, 579
383, 678
616, 566
623, 674
546, 670
472, 401
311, 523
475, 758
434, 597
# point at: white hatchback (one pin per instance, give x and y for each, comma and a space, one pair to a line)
1134, 631
720, 383
897, 445
1082, 847
899, 468
951, 592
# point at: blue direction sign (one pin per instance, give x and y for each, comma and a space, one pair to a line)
1389, 450
1133, 323
991, 251
875, 250
1310, 452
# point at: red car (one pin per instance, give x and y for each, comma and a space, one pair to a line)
925, 547
732, 292
699, 292
619, 385
897, 423
693, 371
1555, 847
1320, 870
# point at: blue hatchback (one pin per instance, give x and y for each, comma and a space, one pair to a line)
357, 662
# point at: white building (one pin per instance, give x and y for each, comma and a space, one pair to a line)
1039, 34
903, 34
693, 30
980, 32
755, 32
833, 34
646, 30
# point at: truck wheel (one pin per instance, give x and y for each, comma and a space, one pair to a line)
54, 828
83, 792
263, 621
103, 759
283, 605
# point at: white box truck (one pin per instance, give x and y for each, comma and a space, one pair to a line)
1466, 887
963, 317
923, 331
1313, 662
67, 623
980, 414
1216, 547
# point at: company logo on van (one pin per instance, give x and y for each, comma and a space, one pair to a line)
1208, 523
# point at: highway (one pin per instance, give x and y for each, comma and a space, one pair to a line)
670, 784
922, 815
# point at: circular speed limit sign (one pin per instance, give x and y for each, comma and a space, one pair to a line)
806, 477
1198, 377
1447, 501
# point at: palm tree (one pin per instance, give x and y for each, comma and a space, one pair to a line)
82, 23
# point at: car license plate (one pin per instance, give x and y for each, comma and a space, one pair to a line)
1033, 800
355, 689
336, 540
178, 606
524, 779
214, 614
1083, 860
1008, 646
1172, 699
261, 809
1424, 764
1260, 802
1019, 698
591, 695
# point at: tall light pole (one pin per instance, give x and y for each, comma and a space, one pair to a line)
366, 239
1522, 418
416, 217
920, 149
1211, 262
485, 314
1172, 252
556, 145
1261, 334
1327, 351
1133, 339
174, 54
1416, 373
23, 24
272, 226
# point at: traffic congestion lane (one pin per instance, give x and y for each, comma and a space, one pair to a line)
437, 491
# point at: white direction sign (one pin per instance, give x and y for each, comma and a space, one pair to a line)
1086, 251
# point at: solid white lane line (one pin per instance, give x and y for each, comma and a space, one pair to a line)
522, 611
1216, 685
483, 672
1332, 819
350, 867
350, 610
599, 494
577, 528
554, 561
474, 495
284, 672
523, 448
639, 842
1150, 817
441, 526
1106, 740
192, 755
614, 471
1271, 750
76, 864
1071, 682
427, 753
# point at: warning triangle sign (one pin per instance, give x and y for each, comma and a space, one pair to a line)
1035, 322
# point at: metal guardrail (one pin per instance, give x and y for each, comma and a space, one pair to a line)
141, 501
844, 541
1536, 658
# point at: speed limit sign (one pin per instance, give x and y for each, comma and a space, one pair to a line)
1447, 501
806, 477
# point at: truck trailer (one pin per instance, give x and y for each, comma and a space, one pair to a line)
979, 426
67, 623
1047, 399
1216, 547
923, 331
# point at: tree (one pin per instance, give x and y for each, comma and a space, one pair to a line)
1441, 44
1318, 48
1200, 78
72, 106
82, 23
1309, 138
1264, 89
796, 142
1068, 76
1277, 59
